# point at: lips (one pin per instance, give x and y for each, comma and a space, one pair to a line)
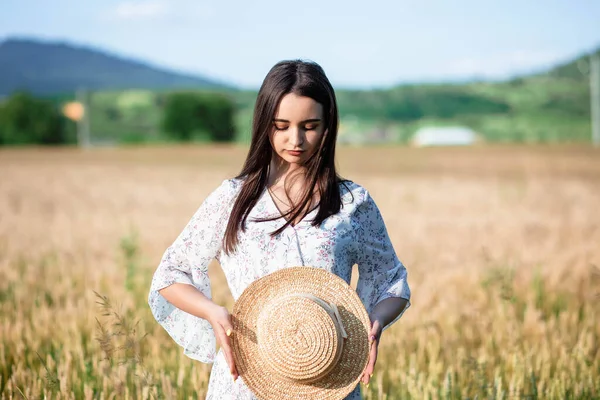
295, 152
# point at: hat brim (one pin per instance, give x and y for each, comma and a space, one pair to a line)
255, 371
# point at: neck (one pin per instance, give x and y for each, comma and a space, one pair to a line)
279, 170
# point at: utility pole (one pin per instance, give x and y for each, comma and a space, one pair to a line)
595, 96
83, 124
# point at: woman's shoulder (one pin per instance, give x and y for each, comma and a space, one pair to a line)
234, 184
353, 193
227, 190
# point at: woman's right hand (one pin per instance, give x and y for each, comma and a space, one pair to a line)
220, 319
191, 300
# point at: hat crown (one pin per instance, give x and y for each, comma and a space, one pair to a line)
300, 336
254, 360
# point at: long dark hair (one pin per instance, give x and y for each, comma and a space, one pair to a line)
303, 78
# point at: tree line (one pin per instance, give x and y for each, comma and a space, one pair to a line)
29, 120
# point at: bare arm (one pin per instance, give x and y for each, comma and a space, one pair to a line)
189, 299
192, 301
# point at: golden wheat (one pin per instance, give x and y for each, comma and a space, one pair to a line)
502, 246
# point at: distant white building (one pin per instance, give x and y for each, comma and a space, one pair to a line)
444, 136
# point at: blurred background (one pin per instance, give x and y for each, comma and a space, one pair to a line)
473, 124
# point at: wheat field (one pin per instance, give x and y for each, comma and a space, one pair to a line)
502, 247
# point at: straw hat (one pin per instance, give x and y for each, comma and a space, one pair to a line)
300, 333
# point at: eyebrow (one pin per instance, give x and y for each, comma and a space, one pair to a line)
302, 122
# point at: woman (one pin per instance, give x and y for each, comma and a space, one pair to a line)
287, 207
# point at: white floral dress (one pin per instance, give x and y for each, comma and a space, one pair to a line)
356, 235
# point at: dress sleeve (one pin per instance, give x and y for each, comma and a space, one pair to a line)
186, 261
381, 273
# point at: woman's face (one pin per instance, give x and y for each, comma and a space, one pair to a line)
298, 127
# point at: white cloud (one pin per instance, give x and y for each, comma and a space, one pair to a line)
139, 10
180, 11
503, 64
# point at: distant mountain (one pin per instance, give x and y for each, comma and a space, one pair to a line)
45, 67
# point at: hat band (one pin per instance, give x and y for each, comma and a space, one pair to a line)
331, 309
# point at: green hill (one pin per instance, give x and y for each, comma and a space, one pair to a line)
577, 69
548, 106
44, 67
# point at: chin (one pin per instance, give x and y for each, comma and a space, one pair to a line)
291, 160
294, 161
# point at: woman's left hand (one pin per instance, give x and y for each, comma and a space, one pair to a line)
374, 337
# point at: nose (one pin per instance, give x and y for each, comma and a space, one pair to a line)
296, 138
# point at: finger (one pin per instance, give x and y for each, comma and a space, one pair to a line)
228, 329
230, 360
227, 326
227, 352
374, 333
229, 332
373, 345
364, 378
368, 373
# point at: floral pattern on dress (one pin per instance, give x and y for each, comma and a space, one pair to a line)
355, 235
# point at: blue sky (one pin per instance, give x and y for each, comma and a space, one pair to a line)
362, 44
